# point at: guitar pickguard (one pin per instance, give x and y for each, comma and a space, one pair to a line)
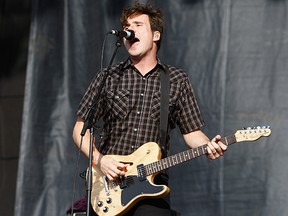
135, 187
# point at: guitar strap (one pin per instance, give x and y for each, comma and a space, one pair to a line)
164, 109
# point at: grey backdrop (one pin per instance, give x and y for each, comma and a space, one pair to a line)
235, 52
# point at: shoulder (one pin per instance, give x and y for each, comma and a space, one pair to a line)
177, 74
115, 70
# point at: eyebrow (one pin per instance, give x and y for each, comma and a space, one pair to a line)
134, 22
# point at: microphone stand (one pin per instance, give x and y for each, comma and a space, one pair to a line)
88, 125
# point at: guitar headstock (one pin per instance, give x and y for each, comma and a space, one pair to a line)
252, 133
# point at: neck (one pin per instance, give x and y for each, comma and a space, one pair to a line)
144, 65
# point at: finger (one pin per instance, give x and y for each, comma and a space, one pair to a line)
216, 146
110, 177
211, 156
223, 146
214, 153
211, 149
113, 175
123, 169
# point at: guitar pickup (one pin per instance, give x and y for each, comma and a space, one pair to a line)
122, 182
141, 172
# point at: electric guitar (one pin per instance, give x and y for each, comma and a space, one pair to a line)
117, 197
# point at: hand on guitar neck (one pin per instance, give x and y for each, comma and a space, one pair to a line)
216, 148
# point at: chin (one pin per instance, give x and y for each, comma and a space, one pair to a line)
135, 55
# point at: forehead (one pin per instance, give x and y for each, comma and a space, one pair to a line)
144, 18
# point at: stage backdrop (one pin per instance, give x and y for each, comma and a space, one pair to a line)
235, 52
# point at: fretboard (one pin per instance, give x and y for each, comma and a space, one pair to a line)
181, 157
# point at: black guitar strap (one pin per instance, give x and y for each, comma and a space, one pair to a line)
164, 109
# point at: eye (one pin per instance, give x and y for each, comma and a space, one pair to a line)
125, 28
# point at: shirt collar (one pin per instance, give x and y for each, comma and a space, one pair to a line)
128, 63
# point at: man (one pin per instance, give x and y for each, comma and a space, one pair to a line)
130, 104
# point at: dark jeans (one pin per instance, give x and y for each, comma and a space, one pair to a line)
151, 207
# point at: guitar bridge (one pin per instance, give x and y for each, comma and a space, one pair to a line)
141, 172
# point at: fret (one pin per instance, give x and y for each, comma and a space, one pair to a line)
165, 163
175, 161
229, 140
182, 158
195, 152
169, 161
149, 168
200, 150
192, 153
160, 166
203, 149
186, 156
153, 167
189, 154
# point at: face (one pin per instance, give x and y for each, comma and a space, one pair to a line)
144, 42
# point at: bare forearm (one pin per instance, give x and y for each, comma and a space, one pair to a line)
195, 138
110, 168
85, 142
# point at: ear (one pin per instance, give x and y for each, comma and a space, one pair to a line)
156, 36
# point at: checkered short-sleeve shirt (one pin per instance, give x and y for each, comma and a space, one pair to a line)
130, 106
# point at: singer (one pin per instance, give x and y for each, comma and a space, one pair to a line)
130, 108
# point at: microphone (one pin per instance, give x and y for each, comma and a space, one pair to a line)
128, 34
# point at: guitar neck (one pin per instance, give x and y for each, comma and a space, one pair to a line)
181, 157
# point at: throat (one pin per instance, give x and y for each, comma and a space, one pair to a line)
145, 68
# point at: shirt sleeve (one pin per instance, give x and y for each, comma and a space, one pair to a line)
189, 114
89, 98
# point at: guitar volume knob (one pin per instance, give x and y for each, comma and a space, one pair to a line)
100, 203
105, 209
109, 200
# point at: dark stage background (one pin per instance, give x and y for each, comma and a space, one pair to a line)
235, 52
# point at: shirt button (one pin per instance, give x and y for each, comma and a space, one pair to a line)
132, 147
138, 112
142, 94
135, 129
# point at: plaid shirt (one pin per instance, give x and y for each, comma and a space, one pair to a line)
130, 106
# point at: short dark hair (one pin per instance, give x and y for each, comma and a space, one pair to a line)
155, 17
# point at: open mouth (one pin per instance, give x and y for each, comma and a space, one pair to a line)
134, 40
